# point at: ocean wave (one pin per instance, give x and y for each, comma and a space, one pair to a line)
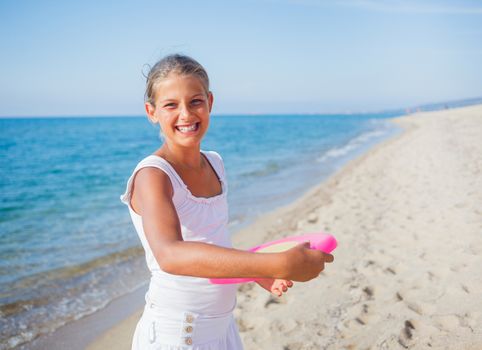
355, 143
41, 303
269, 168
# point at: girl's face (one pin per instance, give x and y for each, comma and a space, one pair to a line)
182, 109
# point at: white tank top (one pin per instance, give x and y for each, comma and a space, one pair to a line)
202, 220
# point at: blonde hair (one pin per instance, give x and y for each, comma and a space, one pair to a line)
177, 64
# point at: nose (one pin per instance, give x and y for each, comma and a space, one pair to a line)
185, 112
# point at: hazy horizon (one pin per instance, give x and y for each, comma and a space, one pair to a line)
478, 100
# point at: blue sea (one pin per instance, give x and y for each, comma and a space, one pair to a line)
67, 245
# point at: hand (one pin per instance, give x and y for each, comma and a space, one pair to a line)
303, 264
275, 286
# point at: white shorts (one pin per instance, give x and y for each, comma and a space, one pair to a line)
162, 329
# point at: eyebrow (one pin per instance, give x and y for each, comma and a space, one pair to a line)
173, 99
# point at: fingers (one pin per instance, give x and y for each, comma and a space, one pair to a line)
328, 257
282, 287
305, 263
287, 284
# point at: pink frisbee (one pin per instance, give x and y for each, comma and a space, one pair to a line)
319, 241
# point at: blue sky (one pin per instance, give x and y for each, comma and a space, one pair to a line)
278, 56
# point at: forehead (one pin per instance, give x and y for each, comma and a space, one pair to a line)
176, 86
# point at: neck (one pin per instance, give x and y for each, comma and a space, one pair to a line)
186, 157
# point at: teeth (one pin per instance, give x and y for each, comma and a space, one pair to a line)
187, 128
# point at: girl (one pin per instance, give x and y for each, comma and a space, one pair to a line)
177, 201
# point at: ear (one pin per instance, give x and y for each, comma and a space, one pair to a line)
210, 101
151, 112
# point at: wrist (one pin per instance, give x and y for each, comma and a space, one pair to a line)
281, 266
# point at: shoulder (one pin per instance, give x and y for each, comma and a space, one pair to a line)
216, 160
213, 155
150, 179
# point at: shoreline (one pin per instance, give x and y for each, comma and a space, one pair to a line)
343, 319
80, 333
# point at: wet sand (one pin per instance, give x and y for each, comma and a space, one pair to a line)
407, 273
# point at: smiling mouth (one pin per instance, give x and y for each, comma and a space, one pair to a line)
187, 128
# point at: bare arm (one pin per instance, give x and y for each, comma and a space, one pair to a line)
152, 199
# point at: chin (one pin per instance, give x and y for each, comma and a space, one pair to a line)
188, 143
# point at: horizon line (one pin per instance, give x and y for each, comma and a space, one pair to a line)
404, 110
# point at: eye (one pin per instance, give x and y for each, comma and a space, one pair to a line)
170, 105
197, 101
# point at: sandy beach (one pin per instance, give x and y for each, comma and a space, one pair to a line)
407, 273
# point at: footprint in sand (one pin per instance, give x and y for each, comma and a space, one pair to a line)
274, 300
285, 326
432, 276
364, 317
312, 218
295, 346
368, 292
458, 267
448, 323
390, 270
370, 263
243, 326
420, 308
406, 335
245, 294
245, 287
